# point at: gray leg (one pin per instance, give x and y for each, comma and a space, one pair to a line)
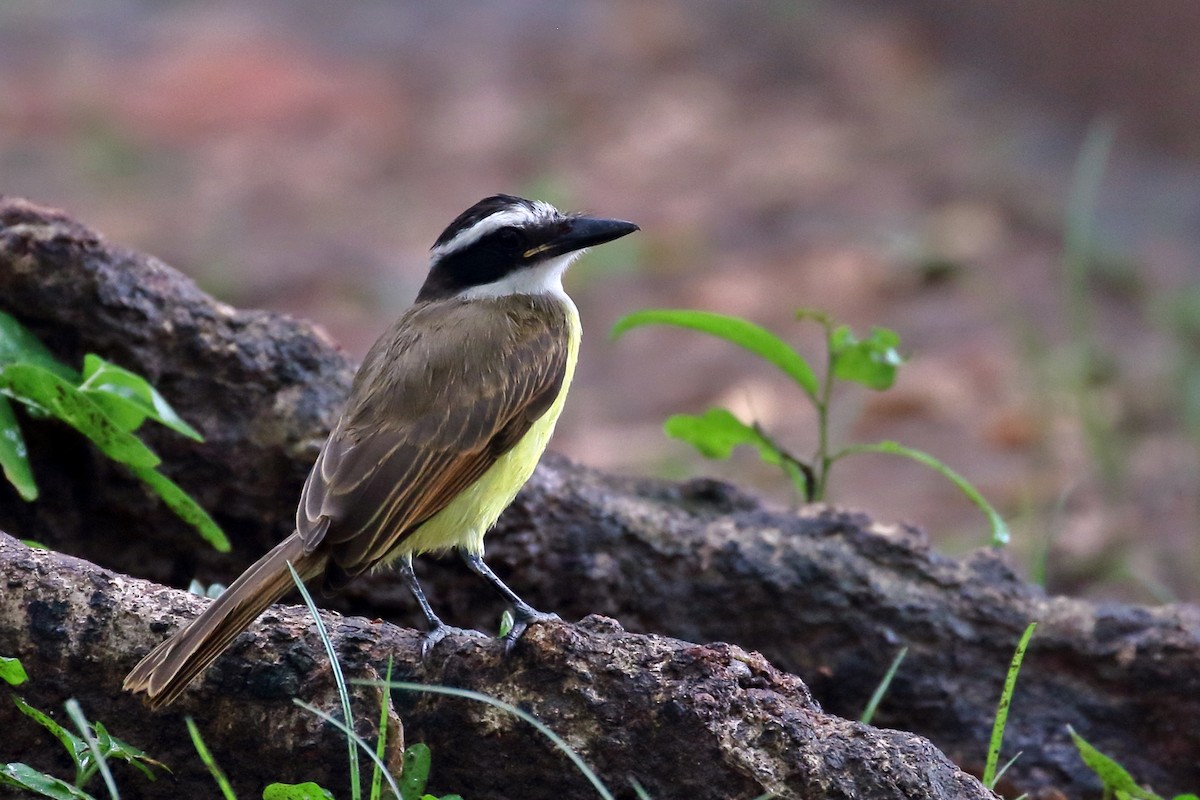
523, 613
438, 630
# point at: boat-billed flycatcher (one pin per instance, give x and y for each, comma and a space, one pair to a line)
446, 420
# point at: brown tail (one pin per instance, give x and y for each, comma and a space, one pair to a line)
170, 667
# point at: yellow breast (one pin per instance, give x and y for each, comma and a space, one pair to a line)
468, 517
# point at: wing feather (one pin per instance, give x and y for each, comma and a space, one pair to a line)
447, 391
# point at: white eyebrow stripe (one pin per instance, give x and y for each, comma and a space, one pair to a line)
516, 217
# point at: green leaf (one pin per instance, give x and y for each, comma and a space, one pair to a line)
1112, 774
185, 507
744, 334
296, 791
1000, 532
113, 748
12, 671
43, 389
131, 391
26, 777
871, 362
416, 772
506, 623
74, 745
14, 458
717, 433
18, 345
126, 415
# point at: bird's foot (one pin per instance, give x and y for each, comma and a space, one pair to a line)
441, 631
523, 617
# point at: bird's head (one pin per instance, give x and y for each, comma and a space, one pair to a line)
508, 245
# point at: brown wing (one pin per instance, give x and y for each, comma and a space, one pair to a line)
448, 390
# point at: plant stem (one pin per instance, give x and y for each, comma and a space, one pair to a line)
822, 459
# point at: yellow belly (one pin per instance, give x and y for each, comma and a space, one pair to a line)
469, 516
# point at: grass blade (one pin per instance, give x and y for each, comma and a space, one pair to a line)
75, 712
1010, 682
358, 740
339, 679
880, 690
381, 743
557, 740
206, 757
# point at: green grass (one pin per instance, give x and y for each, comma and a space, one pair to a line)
990, 774
869, 712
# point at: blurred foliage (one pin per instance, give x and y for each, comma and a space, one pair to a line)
105, 403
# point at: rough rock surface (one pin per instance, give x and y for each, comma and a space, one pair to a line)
685, 720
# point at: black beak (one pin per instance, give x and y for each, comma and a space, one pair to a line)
576, 233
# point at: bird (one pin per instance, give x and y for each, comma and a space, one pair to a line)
447, 417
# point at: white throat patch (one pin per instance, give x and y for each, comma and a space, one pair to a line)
542, 278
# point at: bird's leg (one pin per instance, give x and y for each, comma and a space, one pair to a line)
438, 630
523, 613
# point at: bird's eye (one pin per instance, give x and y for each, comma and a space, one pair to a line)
509, 238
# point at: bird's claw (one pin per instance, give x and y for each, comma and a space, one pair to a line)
522, 618
439, 632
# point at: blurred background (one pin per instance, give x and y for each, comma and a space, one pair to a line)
1011, 185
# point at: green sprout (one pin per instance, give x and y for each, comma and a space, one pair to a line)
871, 361
90, 750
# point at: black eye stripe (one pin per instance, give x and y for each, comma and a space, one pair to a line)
487, 260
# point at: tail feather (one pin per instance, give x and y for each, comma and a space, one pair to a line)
170, 667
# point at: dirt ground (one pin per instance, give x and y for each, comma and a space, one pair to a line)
883, 166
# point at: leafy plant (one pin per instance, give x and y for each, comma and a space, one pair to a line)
105, 403
871, 361
1118, 783
90, 750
